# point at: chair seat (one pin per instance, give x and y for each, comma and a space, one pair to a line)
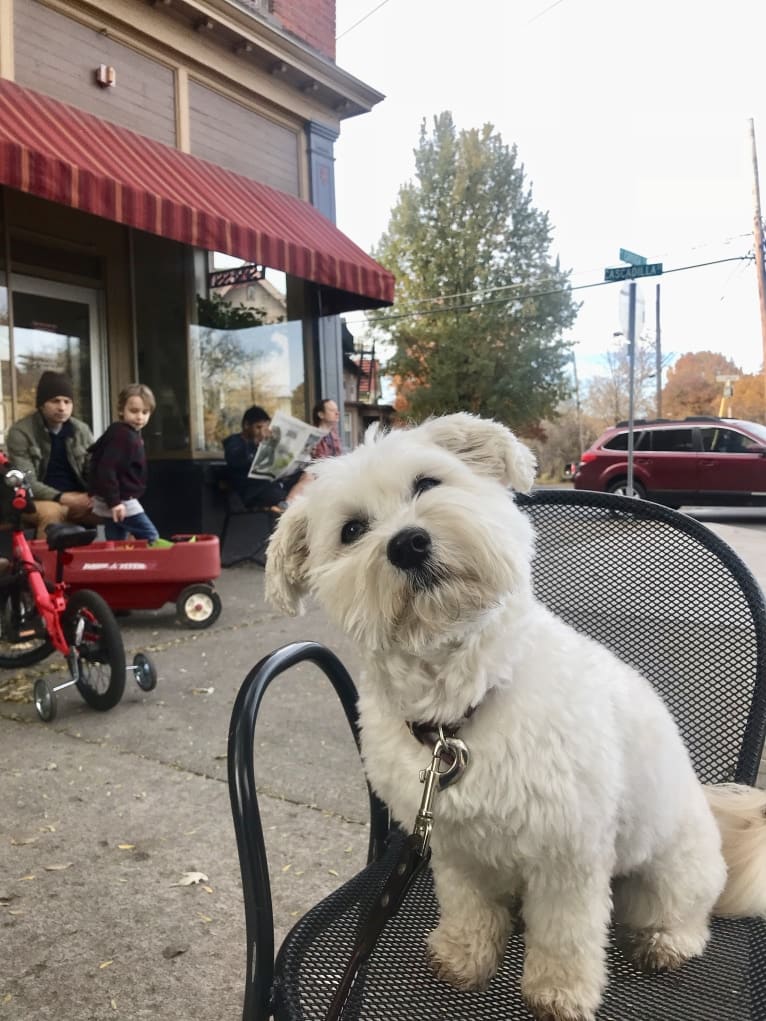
728, 983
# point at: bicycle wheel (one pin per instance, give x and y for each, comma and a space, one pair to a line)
23, 636
91, 629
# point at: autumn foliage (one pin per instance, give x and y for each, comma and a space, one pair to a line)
693, 388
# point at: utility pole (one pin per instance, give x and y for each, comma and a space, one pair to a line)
658, 352
758, 235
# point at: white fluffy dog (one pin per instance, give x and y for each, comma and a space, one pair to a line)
580, 797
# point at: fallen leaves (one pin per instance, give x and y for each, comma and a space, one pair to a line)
191, 879
58, 868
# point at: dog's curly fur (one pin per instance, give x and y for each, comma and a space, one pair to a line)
580, 799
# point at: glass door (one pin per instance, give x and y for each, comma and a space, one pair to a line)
58, 326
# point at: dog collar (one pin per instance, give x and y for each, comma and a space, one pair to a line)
428, 732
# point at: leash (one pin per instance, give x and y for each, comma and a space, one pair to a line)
449, 760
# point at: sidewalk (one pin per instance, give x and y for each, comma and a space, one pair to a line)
102, 815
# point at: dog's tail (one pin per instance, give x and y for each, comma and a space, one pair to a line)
740, 812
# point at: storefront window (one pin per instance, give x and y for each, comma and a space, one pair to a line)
51, 331
244, 351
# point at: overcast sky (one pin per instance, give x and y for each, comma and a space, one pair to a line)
632, 121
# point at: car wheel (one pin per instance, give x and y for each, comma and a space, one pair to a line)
620, 487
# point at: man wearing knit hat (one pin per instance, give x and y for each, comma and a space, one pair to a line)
51, 446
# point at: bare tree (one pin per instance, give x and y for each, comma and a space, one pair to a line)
607, 395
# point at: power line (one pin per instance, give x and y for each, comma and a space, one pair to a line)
526, 296
364, 18
572, 273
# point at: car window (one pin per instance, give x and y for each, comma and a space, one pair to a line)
673, 440
618, 442
727, 441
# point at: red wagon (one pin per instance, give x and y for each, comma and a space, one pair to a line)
131, 575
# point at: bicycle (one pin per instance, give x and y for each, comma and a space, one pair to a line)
38, 616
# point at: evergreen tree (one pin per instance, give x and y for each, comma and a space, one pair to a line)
471, 256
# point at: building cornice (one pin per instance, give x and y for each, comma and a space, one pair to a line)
251, 41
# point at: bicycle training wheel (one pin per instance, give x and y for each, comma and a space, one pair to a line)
91, 629
23, 637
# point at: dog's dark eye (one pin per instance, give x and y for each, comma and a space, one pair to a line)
423, 483
352, 530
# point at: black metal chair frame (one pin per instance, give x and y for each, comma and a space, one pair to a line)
267, 993
264, 519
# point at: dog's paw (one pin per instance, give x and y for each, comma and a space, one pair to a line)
556, 1005
664, 951
556, 992
461, 961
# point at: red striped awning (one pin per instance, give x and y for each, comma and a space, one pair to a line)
60, 153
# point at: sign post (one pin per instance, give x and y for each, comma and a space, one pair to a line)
638, 267
631, 379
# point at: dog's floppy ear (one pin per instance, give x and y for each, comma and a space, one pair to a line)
487, 447
286, 579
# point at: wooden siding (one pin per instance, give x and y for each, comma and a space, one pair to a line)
227, 133
57, 55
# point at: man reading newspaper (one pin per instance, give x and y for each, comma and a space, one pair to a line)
266, 459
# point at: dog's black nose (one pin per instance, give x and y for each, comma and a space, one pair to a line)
409, 548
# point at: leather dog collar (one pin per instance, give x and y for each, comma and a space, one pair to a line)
427, 732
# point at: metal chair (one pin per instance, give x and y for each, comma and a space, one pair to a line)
665, 594
245, 531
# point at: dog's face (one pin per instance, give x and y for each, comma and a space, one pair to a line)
413, 540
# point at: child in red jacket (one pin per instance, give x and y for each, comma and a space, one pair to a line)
118, 473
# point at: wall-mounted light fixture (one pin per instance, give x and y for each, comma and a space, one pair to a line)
106, 76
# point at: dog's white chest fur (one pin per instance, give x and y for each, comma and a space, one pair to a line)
563, 749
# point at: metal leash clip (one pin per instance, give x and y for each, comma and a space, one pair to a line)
449, 761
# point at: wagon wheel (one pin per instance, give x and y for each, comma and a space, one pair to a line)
198, 606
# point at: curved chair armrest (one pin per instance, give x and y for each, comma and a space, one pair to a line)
259, 918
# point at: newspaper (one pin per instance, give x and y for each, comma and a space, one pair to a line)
287, 450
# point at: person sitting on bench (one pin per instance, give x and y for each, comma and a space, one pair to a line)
239, 450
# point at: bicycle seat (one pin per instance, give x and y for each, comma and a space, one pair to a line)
65, 536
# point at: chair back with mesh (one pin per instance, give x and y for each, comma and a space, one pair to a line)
666, 595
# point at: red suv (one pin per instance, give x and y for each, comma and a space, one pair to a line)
701, 460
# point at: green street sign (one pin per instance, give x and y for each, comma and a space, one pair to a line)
632, 258
615, 273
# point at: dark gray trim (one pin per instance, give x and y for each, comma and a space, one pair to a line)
321, 140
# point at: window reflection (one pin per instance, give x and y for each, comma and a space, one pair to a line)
51, 333
244, 351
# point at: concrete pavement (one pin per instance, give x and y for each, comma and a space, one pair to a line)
102, 815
